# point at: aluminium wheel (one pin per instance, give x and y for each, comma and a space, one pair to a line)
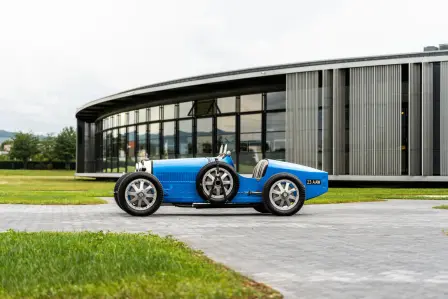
213, 191
140, 194
117, 184
283, 194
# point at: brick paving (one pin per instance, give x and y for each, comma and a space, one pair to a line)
393, 249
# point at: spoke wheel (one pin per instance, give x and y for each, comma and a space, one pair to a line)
213, 191
217, 189
283, 194
140, 194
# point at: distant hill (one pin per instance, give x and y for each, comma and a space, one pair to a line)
6, 134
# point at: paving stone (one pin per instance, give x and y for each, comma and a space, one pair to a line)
393, 249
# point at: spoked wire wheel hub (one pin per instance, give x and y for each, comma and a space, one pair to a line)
284, 195
216, 187
140, 194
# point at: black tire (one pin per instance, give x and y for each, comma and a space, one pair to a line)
227, 167
262, 209
117, 184
271, 207
135, 176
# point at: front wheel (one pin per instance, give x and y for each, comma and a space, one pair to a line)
117, 184
283, 194
140, 194
262, 209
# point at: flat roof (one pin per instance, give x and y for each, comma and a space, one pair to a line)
281, 69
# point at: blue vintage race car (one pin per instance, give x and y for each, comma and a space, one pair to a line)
276, 187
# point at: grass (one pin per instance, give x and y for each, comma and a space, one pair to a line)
442, 207
100, 265
51, 187
347, 195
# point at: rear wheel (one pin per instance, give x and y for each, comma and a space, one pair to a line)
283, 194
140, 194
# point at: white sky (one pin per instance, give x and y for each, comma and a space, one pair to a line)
58, 55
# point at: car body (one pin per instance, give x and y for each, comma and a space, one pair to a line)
194, 182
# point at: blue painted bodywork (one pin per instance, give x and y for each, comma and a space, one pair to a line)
178, 179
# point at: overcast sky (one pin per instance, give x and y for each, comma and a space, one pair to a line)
58, 55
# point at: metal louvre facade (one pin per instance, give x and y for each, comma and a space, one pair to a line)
383, 119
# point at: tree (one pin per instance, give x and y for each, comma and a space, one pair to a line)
25, 145
47, 148
65, 145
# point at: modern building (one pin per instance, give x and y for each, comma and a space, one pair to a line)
381, 118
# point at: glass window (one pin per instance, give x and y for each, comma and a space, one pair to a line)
250, 142
275, 146
169, 150
142, 115
155, 113
122, 150
105, 152
251, 102
226, 128
184, 109
186, 138
250, 123
122, 119
141, 142
131, 117
154, 133
275, 122
203, 108
276, 100
227, 105
131, 149
169, 112
204, 137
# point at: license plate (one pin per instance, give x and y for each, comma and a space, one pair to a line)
313, 182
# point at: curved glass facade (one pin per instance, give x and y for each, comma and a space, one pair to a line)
252, 125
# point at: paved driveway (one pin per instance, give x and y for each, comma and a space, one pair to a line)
393, 249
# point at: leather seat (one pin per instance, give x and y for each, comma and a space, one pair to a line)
260, 169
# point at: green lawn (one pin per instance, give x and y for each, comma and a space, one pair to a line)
442, 207
99, 265
50, 187
346, 195
61, 187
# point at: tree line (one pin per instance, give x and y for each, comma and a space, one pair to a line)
27, 147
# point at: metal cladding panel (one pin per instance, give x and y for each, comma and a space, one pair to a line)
415, 120
339, 95
375, 120
444, 118
302, 95
427, 119
327, 122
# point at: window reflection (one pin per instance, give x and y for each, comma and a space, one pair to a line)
131, 149
169, 150
154, 133
226, 130
227, 105
204, 137
131, 119
142, 115
275, 136
251, 102
141, 154
184, 109
122, 150
155, 113
275, 122
276, 100
168, 111
186, 138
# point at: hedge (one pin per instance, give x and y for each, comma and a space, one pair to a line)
37, 165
